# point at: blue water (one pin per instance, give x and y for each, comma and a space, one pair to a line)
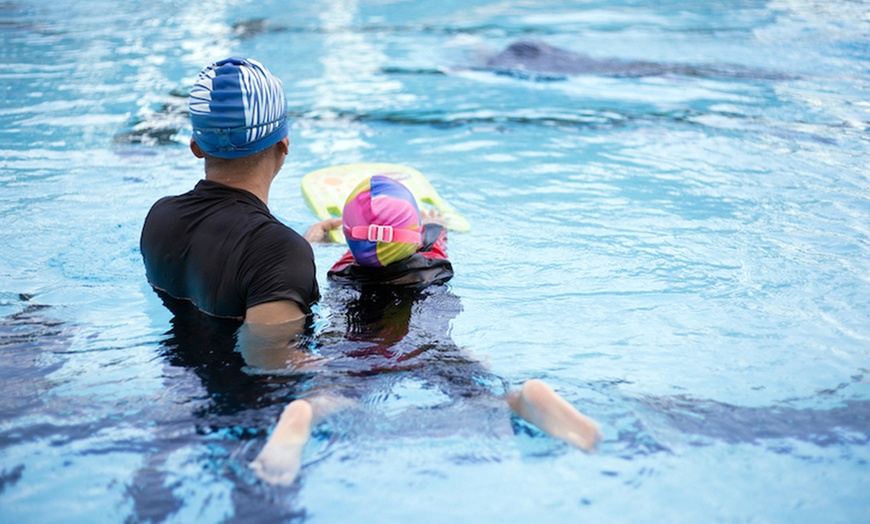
684, 257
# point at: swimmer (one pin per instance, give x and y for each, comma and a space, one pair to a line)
218, 246
392, 244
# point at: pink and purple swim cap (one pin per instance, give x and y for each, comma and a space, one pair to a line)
381, 222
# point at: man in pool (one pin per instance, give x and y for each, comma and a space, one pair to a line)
218, 246
391, 246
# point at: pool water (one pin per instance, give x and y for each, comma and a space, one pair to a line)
682, 250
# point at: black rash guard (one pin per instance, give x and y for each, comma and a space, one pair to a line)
221, 249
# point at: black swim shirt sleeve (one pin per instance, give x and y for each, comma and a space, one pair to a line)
278, 264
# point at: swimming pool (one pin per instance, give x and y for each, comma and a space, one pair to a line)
682, 255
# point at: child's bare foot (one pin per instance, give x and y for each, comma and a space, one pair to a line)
280, 459
538, 404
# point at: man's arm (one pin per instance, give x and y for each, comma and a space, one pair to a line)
277, 312
269, 338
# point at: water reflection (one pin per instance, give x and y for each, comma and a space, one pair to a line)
715, 421
390, 351
208, 346
385, 331
30, 342
212, 406
667, 424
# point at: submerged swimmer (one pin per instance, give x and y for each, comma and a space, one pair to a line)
539, 61
393, 247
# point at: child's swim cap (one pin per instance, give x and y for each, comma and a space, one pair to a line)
381, 222
237, 108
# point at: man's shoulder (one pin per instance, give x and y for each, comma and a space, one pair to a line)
272, 236
164, 201
269, 226
170, 201
162, 215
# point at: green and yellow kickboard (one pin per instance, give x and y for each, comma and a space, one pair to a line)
326, 189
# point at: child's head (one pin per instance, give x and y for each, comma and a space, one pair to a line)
381, 222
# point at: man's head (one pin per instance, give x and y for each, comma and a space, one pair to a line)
237, 108
381, 222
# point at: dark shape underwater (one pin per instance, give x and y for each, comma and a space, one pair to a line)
539, 61
846, 424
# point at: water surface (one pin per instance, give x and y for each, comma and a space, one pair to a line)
683, 256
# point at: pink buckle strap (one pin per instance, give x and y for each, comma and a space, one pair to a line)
376, 233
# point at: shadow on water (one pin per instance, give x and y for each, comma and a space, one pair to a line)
28, 343
848, 423
377, 344
654, 424
538, 61
390, 350
373, 343
227, 406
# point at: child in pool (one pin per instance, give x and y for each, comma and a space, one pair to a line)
389, 245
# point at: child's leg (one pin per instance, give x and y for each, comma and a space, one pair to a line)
280, 459
538, 404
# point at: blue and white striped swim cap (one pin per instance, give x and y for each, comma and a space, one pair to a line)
237, 108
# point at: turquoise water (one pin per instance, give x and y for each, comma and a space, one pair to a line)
683, 256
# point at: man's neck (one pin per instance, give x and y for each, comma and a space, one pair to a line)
252, 173
250, 182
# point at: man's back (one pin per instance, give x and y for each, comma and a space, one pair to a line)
220, 248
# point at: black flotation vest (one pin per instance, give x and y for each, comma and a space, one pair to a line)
416, 271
